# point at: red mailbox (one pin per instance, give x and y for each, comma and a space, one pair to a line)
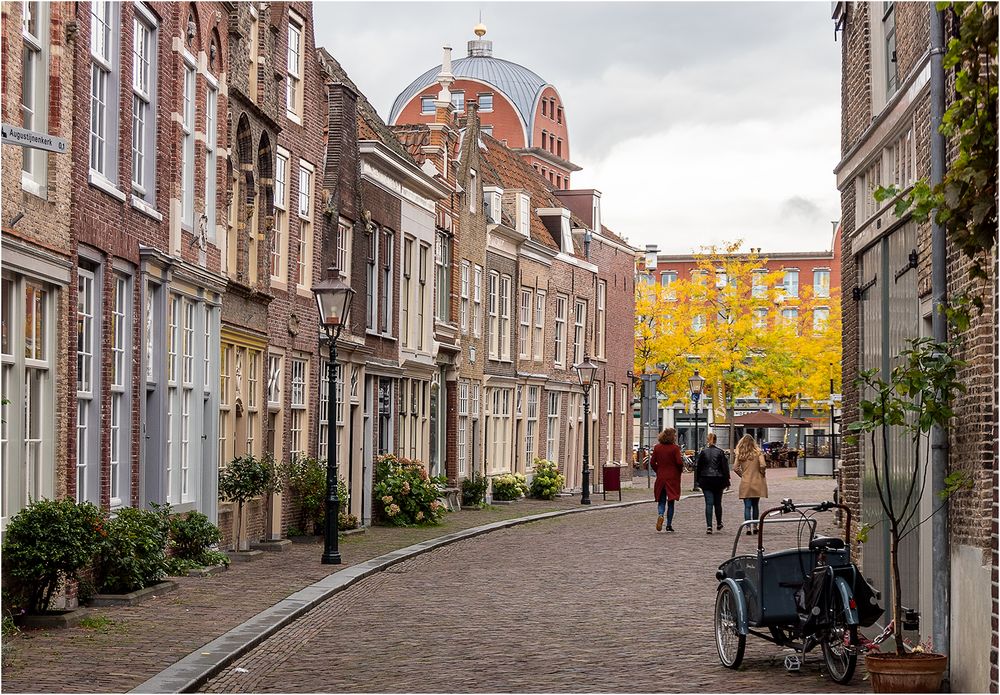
612, 481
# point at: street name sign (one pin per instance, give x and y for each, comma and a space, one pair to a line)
12, 135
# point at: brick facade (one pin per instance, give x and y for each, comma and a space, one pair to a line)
972, 446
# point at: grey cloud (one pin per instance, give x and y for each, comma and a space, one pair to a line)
802, 208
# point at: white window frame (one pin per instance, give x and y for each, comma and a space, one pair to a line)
295, 66
821, 290
298, 405
758, 280
477, 301
562, 303
305, 257
144, 81
190, 89
88, 382
211, 153
538, 342
524, 323
104, 78
463, 308
821, 318
523, 214
552, 426
427, 106
35, 95
493, 312
787, 284
601, 319
579, 330
121, 387
505, 317
344, 250
279, 244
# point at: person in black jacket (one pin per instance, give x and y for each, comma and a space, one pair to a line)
712, 476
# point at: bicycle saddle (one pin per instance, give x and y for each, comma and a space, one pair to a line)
826, 543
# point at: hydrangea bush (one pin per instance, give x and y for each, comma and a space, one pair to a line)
547, 481
405, 495
509, 486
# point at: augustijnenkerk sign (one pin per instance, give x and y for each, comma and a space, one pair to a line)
12, 135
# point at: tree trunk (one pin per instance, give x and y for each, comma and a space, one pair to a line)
897, 598
241, 542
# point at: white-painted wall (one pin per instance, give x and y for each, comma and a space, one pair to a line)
970, 621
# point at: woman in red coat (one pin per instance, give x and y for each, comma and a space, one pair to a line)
666, 461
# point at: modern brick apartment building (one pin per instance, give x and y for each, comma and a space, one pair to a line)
886, 140
38, 252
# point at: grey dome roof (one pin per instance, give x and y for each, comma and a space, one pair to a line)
517, 82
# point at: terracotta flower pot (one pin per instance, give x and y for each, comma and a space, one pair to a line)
913, 673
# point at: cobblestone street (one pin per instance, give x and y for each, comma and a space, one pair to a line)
591, 603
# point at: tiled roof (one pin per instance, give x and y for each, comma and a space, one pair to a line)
413, 138
614, 237
509, 172
370, 124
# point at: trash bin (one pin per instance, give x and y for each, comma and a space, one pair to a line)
612, 481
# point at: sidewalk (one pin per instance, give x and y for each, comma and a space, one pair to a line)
136, 643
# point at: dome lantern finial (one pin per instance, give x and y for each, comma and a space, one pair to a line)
480, 29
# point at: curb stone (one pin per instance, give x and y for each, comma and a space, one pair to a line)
192, 671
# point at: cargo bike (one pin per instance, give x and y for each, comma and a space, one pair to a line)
799, 598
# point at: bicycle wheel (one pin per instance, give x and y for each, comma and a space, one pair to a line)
728, 639
840, 645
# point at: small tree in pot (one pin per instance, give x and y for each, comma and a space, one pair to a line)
245, 478
917, 396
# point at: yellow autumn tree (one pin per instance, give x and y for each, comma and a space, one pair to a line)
732, 320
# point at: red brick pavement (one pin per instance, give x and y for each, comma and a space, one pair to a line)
566, 605
142, 640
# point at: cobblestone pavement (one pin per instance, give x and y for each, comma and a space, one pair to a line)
599, 602
134, 644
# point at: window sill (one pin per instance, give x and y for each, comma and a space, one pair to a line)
145, 208
293, 117
303, 291
279, 284
29, 185
98, 181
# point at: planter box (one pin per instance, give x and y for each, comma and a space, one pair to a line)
311, 539
207, 571
135, 597
279, 546
51, 620
245, 555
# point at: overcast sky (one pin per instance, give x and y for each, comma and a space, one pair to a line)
699, 122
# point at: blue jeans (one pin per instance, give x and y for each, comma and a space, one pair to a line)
664, 504
713, 501
751, 508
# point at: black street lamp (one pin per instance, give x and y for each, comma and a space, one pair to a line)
585, 371
333, 299
696, 384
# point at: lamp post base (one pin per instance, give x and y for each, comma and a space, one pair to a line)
331, 558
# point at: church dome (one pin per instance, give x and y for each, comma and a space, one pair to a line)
519, 84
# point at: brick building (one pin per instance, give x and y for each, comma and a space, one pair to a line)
515, 105
886, 140
147, 280
812, 273
38, 250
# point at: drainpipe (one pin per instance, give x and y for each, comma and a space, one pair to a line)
941, 552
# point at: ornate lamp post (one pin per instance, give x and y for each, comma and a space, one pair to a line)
585, 371
333, 299
696, 383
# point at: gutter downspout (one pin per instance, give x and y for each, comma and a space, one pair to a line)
941, 551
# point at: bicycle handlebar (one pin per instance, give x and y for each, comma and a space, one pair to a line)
788, 506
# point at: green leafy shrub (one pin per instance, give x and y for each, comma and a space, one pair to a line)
191, 535
509, 486
405, 495
179, 566
215, 557
474, 490
306, 478
245, 478
48, 542
547, 481
133, 552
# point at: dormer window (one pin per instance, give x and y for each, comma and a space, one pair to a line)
491, 204
523, 211
427, 105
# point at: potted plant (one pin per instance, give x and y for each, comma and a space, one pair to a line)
917, 396
245, 478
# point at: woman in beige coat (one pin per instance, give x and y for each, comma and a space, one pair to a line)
752, 470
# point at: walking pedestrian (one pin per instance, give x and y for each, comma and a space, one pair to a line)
750, 466
712, 476
666, 461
